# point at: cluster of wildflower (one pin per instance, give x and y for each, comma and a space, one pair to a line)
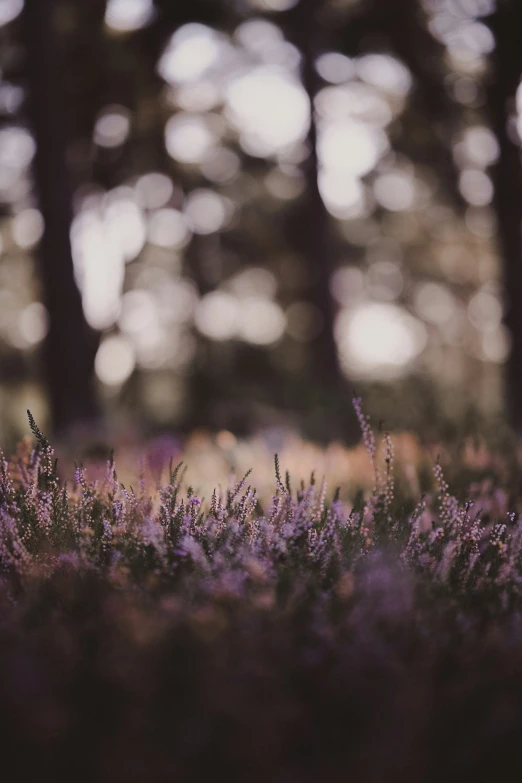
367, 435
206, 635
389, 482
219, 545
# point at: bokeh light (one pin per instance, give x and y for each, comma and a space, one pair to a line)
115, 360
168, 228
138, 312
154, 190
273, 5
253, 281
220, 165
112, 127
189, 138
206, 211
104, 237
476, 187
485, 311
260, 321
190, 53
28, 227
125, 16
479, 146
385, 72
177, 300
434, 303
335, 67
270, 109
9, 10
385, 280
395, 191
496, 345
350, 146
216, 315
34, 323
342, 194
378, 339
17, 147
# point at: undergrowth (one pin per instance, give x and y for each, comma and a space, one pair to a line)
162, 636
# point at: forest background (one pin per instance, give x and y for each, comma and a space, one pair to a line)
228, 214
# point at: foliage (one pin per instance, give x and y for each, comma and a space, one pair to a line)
165, 637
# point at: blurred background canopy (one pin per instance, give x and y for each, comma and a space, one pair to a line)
227, 214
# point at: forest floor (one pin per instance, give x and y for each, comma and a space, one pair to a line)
358, 616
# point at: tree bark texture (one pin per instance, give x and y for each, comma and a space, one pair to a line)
315, 239
69, 347
506, 63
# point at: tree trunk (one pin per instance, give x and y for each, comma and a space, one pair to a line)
506, 63
69, 348
303, 29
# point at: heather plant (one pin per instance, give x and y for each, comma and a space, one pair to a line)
155, 634
175, 538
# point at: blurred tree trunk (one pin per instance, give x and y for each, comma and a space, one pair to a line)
506, 61
314, 237
69, 349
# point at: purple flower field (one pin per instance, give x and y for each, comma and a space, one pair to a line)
156, 636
